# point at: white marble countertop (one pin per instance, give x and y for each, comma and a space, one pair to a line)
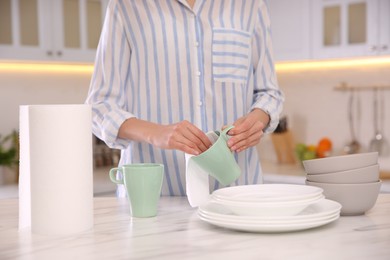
178, 233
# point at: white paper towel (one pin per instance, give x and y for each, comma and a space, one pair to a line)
56, 182
197, 180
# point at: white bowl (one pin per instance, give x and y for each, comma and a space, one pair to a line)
260, 193
340, 163
359, 175
355, 199
269, 209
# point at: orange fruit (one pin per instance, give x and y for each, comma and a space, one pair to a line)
325, 143
324, 147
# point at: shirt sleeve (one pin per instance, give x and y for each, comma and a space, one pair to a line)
107, 88
267, 95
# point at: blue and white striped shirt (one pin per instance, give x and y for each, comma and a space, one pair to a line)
161, 61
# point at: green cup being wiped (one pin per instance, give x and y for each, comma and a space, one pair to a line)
143, 183
218, 161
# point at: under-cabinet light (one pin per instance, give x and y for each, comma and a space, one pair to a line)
45, 67
331, 64
6, 66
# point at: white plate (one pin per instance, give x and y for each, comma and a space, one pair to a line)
317, 211
270, 228
268, 222
266, 193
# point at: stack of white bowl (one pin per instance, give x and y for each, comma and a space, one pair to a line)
352, 180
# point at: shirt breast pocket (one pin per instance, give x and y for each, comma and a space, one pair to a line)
231, 55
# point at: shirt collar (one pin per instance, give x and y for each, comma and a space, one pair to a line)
197, 4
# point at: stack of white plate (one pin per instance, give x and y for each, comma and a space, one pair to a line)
269, 208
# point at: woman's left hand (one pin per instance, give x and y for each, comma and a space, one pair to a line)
247, 130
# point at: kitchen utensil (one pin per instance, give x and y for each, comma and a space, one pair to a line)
143, 182
354, 145
385, 149
376, 141
379, 143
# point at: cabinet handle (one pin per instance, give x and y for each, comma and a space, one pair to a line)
384, 47
59, 53
373, 48
49, 53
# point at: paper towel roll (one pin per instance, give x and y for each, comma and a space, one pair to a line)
56, 183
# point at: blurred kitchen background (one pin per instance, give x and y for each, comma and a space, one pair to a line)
326, 51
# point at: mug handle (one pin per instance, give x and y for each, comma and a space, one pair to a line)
113, 177
224, 132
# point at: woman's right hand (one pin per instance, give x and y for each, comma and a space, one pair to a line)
182, 136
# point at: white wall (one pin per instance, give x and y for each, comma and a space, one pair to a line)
28, 88
315, 110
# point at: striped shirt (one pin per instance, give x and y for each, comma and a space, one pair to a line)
161, 61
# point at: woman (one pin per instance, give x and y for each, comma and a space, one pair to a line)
168, 71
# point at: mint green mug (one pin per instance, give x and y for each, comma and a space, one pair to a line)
218, 161
143, 182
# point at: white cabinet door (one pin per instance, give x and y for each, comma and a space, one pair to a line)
41, 30
290, 24
384, 27
23, 29
345, 28
76, 29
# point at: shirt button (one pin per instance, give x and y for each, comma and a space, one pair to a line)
198, 73
200, 103
196, 44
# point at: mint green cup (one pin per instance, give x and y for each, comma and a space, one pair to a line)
143, 182
218, 161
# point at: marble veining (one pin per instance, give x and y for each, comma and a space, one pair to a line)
178, 233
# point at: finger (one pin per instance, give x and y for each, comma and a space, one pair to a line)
186, 139
244, 145
240, 144
189, 150
255, 130
250, 122
198, 138
237, 125
185, 145
181, 142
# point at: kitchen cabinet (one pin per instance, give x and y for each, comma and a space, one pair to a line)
290, 24
46, 30
350, 28
383, 44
